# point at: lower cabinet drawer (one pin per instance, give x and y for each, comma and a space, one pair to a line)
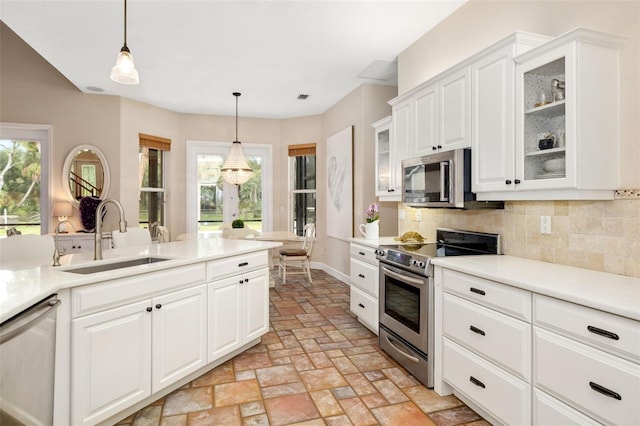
365, 276
365, 307
594, 382
502, 339
502, 395
548, 411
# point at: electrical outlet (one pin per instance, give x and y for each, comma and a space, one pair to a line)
418, 215
545, 224
401, 214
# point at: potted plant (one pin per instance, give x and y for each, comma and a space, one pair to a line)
238, 223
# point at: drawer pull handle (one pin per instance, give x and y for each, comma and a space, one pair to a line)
476, 382
602, 332
240, 265
477, 330
158, 306
361, 276
608, 392
477, 291
361, 305
361, 253
149, 309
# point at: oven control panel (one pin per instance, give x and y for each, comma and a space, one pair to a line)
403, 259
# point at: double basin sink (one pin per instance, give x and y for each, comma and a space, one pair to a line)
102, 267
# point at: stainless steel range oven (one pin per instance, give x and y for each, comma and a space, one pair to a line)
406, 295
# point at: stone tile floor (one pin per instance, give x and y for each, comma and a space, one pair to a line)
317, 366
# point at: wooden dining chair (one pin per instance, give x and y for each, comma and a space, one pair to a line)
298, 257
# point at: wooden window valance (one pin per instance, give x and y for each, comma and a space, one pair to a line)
155, 142
302, 149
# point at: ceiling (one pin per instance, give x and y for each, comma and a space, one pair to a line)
191, 55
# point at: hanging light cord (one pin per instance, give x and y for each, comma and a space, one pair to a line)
236, 94
125, 26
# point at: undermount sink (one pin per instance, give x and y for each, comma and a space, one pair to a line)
115, 265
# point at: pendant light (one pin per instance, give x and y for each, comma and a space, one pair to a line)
124, 71
235, 169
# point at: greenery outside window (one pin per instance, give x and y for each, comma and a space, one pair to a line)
302, 166
152, 181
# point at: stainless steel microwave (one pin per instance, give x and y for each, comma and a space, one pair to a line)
441, 180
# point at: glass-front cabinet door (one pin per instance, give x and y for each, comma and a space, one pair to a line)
383, 156
543, 158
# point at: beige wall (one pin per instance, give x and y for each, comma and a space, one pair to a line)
599, 235
359, 109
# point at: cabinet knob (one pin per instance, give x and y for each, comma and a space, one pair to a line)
361, 276
79, 247
149, 309
434, 148
517, 181
361, 305
246, 280
361, 253
508, 181
241, 282
158, 306
391, 190
439, 146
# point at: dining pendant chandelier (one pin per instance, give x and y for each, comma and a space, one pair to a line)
124, 71
235, 169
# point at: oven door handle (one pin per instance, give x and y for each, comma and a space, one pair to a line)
405, 278
401, 352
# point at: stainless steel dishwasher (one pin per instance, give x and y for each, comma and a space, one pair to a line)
27, 355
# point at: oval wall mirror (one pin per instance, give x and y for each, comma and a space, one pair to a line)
85, 173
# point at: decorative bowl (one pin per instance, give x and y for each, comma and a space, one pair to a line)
554, 166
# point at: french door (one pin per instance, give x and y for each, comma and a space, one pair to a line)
211, 201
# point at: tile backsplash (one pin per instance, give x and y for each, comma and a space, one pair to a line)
598, 235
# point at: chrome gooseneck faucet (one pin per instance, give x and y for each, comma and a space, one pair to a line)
56, 252
98, 239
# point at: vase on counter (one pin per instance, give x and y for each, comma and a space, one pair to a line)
370, 230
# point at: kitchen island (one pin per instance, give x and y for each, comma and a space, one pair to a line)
129, 335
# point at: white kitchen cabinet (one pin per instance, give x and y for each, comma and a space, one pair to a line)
124, 354
486, 345
400, 138
492, 110
588, 360
133, 336
238, 311
364, 279
583, 161
384, 153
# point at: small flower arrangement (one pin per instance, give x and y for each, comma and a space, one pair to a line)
372, 212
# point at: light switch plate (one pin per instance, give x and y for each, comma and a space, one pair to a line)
545, 224
401, 214
418, 215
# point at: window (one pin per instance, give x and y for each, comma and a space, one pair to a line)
302, 166
24, 178
211, 201
152, 181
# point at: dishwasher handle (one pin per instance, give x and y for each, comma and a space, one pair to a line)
27, 319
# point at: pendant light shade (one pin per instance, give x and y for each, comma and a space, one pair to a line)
235, 169
125, 71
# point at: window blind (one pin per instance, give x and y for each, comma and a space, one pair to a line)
302, 149
155, 142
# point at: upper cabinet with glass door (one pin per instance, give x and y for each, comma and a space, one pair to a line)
387, 189
567, 120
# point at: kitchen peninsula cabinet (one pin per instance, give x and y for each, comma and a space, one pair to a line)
238, 304
579, 117
132, 337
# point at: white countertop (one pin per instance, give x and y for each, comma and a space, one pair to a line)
613, 293
382, 241
23, 283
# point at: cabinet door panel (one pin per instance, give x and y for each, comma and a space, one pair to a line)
111, 362
402, 131
492, 121
256, 300
426, 121
224, 317
454, 111
179, 335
